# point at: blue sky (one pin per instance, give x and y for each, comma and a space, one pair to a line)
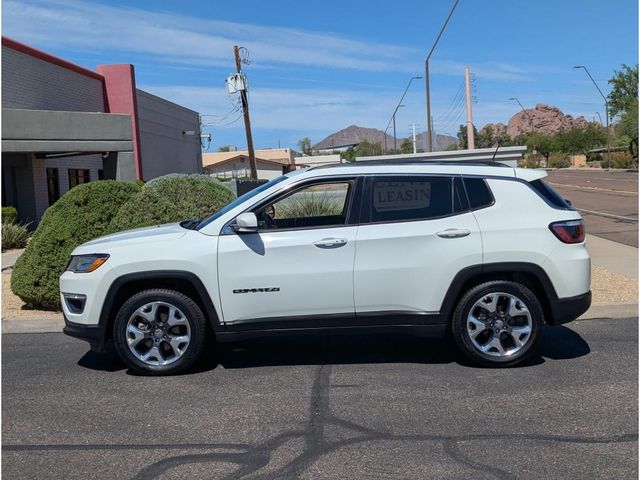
321, 65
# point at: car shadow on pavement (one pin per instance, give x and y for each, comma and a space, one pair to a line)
558, 343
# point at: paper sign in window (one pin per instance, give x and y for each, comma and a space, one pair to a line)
390, 196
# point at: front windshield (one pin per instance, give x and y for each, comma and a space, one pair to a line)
239, 200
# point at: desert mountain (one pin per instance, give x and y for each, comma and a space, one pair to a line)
352, 135
543, 119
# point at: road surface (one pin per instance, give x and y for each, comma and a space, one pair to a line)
327, 407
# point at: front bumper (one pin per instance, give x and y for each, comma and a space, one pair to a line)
566, 310
94, 334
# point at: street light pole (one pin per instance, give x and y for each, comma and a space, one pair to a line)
606, 113
534, 152
393, 115
525, 112
426, 77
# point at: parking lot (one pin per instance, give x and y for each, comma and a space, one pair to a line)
607, 200
326, 407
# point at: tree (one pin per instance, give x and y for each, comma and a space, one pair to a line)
462, 136
544, 144
406, 146
368, 149
224, 148
579, 140
624, 90
305, 145
623, 103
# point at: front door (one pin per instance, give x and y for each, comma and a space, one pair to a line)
299, 265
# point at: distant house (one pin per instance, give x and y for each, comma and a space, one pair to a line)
237, 166
317, 160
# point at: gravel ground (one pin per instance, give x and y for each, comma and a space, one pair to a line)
13, 307
610, 287
607, 287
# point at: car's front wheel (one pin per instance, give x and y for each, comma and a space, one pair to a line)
159, 332
498, 323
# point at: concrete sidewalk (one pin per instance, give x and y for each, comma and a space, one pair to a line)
9, 258
613, 256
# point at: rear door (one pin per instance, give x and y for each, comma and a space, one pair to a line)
416, 234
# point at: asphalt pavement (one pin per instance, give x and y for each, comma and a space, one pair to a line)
608, 200
326, 407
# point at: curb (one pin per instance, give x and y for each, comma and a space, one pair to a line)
55, 325
614, 310
32, 325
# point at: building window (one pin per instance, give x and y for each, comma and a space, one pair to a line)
78, 176
100, 174
53, 185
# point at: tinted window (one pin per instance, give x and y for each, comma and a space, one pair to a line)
412, 198
549, 194
478, 192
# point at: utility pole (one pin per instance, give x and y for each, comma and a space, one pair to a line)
470, 139
426, 78
413, 134
247, 120
606, 112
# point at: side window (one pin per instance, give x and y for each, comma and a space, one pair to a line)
478, 192
396, 199
321, 204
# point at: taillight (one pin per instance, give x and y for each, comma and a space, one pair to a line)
570, 231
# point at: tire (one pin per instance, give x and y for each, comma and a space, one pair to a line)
503, 337
166, 320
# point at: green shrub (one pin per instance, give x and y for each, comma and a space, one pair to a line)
620, 160
172, 198
83, 213
14, 235
557, 161
9, 214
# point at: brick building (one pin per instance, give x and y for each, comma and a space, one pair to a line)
63, 125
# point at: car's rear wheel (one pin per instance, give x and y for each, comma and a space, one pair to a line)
159, 332
498, 323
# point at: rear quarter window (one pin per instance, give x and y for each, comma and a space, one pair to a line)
478, 192
552, 197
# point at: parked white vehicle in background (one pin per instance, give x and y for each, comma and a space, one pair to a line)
484, 251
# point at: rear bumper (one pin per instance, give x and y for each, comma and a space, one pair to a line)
566, 310
94, 334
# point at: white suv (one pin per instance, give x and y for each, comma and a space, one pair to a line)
488, 253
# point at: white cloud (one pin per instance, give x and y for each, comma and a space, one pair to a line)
189, 40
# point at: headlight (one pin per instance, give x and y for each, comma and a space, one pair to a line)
86, 263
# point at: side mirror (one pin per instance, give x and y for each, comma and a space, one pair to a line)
246, 222
567, 201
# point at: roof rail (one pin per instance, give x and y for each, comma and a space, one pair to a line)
364, 163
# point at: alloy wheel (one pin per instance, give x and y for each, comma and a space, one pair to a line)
158, 333
499, 324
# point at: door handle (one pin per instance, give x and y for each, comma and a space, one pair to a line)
331, 243
453, 233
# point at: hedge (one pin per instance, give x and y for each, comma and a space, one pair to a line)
9, 214
172, 198
83, 213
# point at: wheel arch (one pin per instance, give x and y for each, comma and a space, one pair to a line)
528, 274
184, 282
